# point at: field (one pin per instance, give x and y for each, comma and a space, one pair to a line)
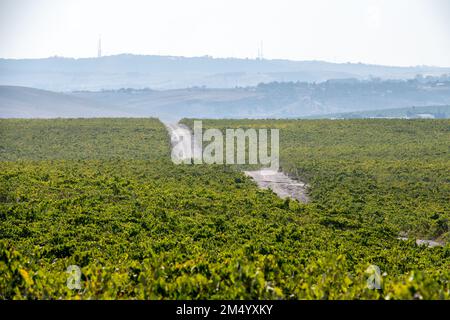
393, 173
103, 194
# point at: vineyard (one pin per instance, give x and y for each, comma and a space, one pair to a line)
370, 172
104, 195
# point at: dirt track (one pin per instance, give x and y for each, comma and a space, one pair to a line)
184, 147
280, 183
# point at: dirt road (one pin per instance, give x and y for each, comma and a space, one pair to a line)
280, 183
184, 148
423, 242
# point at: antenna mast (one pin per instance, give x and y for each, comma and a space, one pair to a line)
261, 50
99, 52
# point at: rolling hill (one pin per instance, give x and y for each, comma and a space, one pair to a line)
272, 100
22, 102
168, 72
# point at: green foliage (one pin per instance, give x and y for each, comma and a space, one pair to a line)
140, 227
82, 139
390, 172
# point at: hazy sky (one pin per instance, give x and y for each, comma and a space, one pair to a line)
391, 32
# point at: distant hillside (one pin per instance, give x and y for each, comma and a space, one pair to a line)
277, 100
21, 102
179, 103
429, 112
272, 100
166, 72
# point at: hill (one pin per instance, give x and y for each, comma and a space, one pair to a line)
430, 112
277, 100
168, 72
272, 100
22, 102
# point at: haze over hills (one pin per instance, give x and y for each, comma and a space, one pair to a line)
429, 112
22, 102
168, 72
272, 100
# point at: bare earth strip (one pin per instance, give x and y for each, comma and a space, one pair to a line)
423, 242
184, 147
280, 183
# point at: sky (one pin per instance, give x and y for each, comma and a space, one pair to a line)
388, 32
